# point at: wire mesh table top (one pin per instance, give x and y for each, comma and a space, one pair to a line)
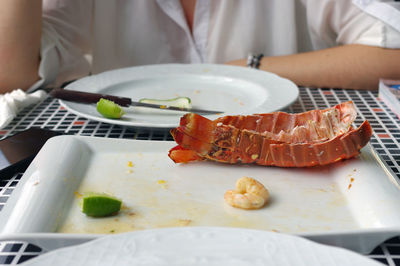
50, 115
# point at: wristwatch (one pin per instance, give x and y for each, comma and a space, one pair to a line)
253, 60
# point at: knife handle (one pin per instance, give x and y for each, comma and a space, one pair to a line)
88, 97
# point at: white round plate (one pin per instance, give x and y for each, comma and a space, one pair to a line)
230, 89
202, 246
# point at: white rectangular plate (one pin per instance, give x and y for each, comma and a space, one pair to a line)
353, 204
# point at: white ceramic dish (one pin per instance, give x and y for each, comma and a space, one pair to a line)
202, 246
352, 204
230, 89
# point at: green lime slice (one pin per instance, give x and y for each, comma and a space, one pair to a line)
181, 102
100, 204
109, 109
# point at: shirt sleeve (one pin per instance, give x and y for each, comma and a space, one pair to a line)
388, 13
66, 32
334, 22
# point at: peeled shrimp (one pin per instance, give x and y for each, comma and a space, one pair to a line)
249, 194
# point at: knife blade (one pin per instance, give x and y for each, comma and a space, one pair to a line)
88, 97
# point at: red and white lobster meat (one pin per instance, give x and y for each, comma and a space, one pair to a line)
316, 137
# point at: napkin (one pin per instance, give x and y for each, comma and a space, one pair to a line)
13, 102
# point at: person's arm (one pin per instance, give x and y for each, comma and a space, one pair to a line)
349, 66
20, 31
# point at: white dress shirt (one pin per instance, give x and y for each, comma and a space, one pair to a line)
122, 33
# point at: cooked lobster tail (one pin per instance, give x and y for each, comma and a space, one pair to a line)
316, 137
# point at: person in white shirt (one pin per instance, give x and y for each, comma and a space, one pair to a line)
317, 43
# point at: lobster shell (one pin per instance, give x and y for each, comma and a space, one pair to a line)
316, 137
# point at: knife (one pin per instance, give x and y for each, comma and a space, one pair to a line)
88, 97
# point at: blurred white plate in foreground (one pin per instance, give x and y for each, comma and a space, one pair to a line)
202, 246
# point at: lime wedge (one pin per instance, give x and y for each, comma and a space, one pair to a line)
181, 102
109, 109
100, 204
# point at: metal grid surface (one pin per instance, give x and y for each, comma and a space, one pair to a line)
50, 115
